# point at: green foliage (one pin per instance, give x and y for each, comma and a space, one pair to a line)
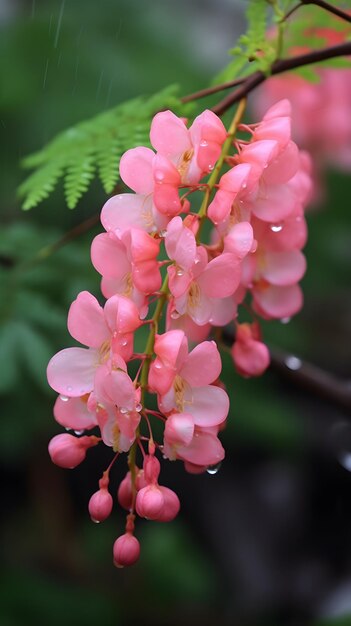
93, 146
254, 51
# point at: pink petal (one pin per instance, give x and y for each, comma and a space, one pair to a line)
278, 302
121, 315
221, 276
202, 366
172, 348
180, 243
136, 169
71, 371
205, 449
281, 108
209, 405
116, 387
86, 321
128, 210
284, 268
169, 135
239, 240
179, 429
274, 203
284, 166
73, 413
161, 376
109, 256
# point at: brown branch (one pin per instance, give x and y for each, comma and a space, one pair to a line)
278, 67
312, 378
328, 7
210, 90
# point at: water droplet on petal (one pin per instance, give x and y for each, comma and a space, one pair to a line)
285, 320
276, 228
197, 261
203, 144
210, 167
175, 315
158, 365
96, 521
244, 185
64, 398
213, 469
123, 410
345, 460
180, 272
78, 432
293, 363
162, 233
124, 342
138, 407
69, 388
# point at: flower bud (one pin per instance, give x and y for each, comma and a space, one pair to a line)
171, 505
150, 502
68, 451
100, 505
126, 550
152, 469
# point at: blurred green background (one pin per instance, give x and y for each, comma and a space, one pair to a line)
264, 542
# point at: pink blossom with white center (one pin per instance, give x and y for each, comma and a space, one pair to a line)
128, 265
118, 405
250, 354
192, 151
106, 331
197, 445
183, 380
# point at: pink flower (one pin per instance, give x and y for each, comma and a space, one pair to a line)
126, 550
250, 355
106, 331
183, 380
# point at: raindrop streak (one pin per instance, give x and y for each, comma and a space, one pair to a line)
213, 469
59, 23
293, 363
45, 73
109, 92
99, 84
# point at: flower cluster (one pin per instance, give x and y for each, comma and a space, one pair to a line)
158, 275
321, 109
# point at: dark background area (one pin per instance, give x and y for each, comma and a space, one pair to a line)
265, 541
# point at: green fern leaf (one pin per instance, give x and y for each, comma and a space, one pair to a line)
94, 146
79, 175
40, 184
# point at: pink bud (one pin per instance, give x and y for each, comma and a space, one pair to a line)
150, 502
152, 469
251, 358
171, 505
68, 451
124, 493
100, 505
126, 550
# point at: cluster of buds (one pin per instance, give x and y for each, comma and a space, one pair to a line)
157, 274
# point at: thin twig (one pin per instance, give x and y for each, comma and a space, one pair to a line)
330, 8
210, 90
278, 67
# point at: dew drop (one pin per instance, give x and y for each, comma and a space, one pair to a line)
158, 365
138, 407
124, 342
210, 167
345, 460
285, 320
162, 233
293, 363
276, 228
96, 521
180, 273
197, 261
203, 144
175, 315
64, 398
123, 410
213, 469
243, 186
69, 388
78, 432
